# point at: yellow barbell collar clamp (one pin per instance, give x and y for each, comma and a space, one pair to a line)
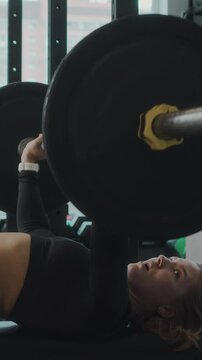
145, 131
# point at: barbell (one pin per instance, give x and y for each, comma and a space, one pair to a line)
91, 118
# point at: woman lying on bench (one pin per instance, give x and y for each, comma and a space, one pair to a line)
54, 286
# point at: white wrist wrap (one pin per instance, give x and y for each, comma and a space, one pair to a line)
28, 167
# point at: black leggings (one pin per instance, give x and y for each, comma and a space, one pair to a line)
31, 215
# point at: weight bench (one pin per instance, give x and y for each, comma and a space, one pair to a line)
16, 344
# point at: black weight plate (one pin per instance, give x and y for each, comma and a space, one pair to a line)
21, 106
93, 105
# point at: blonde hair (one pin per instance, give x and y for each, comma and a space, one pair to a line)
177, 336
188, 332
183, 333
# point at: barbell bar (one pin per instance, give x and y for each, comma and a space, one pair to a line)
108, 170
179, 124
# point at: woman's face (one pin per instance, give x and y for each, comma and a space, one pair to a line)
161, 280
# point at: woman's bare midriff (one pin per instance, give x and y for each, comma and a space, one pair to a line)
14, 261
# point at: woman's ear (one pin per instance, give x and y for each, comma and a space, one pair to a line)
166, 312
